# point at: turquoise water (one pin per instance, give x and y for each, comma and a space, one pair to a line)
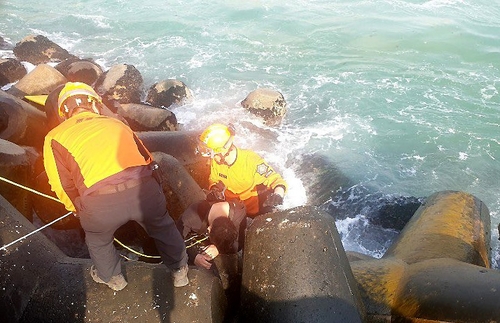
402, 96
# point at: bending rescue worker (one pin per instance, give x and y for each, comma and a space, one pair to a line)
103, 173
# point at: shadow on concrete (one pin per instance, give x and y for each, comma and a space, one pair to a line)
39, 283
313, 309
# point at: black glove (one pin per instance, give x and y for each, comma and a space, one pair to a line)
216, 193
273, 200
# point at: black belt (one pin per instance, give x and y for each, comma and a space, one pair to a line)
115, 188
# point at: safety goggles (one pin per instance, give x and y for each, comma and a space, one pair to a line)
204, 151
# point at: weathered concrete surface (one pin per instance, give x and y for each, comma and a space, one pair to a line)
449, 224
179, 187
141, 117
20, 122
14, 166
449, 290
268, 104
295, 270
38, 283
122, 83
165, 93
38, 49
438, 268
43, 79
379, 281
182, 145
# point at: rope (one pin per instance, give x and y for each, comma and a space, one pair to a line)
196, 242
67, 214
29, 189
35, 231
134, 251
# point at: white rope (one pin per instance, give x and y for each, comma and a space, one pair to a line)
35, 231
62, 217
28, 189
41, 228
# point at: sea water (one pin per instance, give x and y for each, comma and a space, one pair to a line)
402, 97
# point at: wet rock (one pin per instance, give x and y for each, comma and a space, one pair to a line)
39, 49
11, 70
122, 83
165, 93
4, 45
182, 145
267, 104
386, 211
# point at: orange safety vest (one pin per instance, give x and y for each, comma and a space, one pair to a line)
86, 149
243, 178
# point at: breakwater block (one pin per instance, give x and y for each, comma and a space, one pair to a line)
437, 270
15, 167
447, 290
449, 224
20, 122
38, 283
295, 269
181, 145
179, 187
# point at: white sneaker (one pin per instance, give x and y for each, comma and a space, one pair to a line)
116, 282
180, 276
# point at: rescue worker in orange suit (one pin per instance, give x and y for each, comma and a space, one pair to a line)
239, 174
103, 173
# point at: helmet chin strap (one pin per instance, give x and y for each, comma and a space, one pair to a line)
94, 108
91, 106
223, 157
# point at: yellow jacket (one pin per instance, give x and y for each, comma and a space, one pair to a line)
86, 149
246, 178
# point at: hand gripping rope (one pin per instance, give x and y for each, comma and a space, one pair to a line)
190, 240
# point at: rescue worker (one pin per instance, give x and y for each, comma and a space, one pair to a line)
103, 173
239, 175
53, 118
212, 229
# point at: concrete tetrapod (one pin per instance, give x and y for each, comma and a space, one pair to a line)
38, 283
20, 122
438, 269
14, 166
295, 270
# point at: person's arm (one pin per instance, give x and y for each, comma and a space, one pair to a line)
203, 259
58, 174
266, 175
188, 224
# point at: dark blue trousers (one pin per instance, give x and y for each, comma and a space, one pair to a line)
101, 215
